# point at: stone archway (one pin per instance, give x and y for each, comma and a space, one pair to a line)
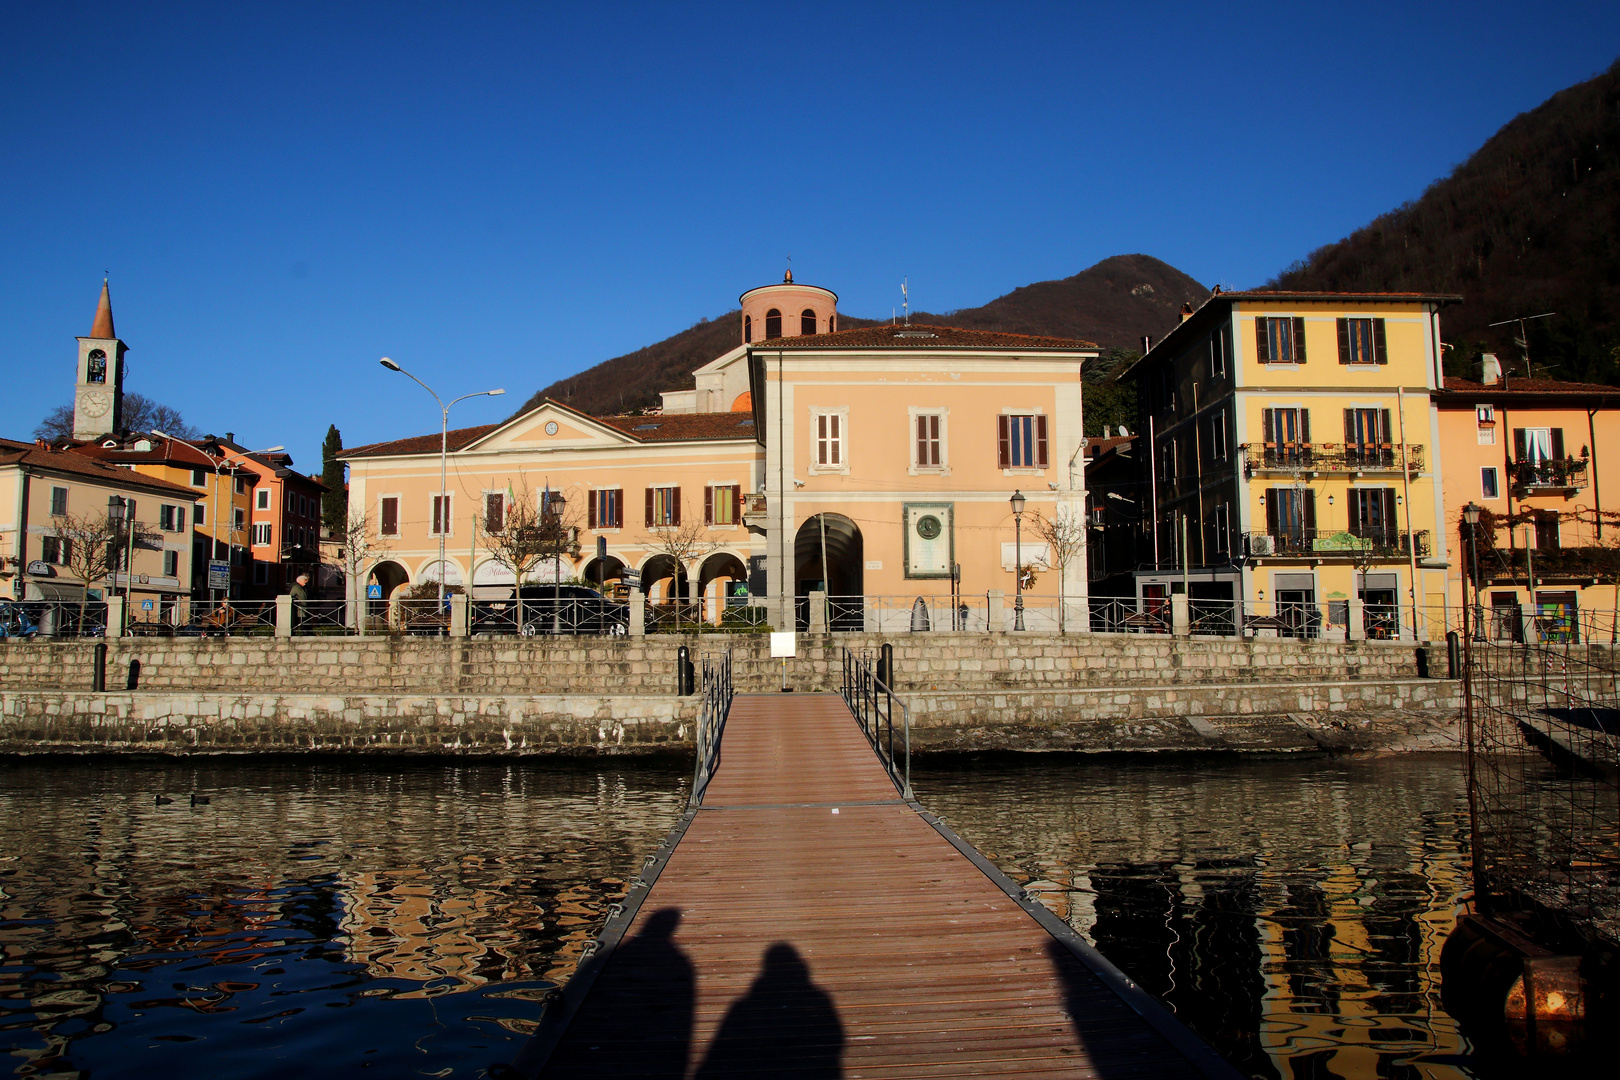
829, 556
604, 573
718, 577
392, 579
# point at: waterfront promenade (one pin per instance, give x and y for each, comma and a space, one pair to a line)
805, 920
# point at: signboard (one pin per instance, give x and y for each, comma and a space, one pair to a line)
41, 569
373, 592
631, 579
929, 539
146, 605
784, 644
219, 574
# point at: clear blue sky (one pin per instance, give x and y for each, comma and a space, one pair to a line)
502, 194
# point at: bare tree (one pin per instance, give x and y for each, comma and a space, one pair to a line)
686, 544
529, 533
360, 545
1065, 538
94, 546
140, 413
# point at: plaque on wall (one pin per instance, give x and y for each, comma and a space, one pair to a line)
930, 541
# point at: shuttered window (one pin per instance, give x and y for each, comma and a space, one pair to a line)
1290, 511
1372, 514
722, 504
663, 506
829, 440
928, 455
1361, 341
1538, 444
441, 515
1280, 340
605, 509
390, 516
1021, 441
494, 512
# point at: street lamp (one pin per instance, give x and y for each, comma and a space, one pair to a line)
1017, 502
444, 434
219, 466
124, 537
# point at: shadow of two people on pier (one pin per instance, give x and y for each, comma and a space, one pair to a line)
784, 1020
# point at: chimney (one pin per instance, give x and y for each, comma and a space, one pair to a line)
1490, 369
230, 436
1147, 344
1186, 311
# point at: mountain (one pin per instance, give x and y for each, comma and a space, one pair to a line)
1530, 223
1113, 304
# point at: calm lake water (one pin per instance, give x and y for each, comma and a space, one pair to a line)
402, 918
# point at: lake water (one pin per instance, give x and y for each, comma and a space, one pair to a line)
402, 918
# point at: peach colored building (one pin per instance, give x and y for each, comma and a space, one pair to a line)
874, 465
1534, 454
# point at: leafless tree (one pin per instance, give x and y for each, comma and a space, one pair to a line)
530, 532
94, 546
140, 413
359, 545
686, 544
1065, 538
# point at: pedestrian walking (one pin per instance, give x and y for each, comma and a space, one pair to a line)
300, 601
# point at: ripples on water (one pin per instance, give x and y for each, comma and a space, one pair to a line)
1290, 910
311, 917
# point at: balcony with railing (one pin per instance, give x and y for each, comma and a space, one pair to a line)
1551, 476
754, 509
1331, 457
1322, 543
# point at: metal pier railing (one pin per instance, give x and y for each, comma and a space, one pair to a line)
874, 705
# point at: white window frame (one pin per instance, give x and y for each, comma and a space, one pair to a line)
261, 534
199, 514
238, 519
241, 484
1495, 482
261, 499
448, 517
913, 414
399, 518
1017, 411
842, 441
199, 478
714, 503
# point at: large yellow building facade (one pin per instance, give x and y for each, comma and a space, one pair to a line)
1291, 463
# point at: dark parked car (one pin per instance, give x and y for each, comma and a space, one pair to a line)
553, 609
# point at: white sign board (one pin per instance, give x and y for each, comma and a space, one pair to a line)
784, 644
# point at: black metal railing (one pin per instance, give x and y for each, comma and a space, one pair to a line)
713, 708
1378, 543
1332, 457
1558, 474
874, 705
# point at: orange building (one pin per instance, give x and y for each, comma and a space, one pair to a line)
1533, 455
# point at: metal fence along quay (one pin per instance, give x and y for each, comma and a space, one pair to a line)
805, 918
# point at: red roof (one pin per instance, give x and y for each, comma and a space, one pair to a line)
1513, 384
455, 439
918, 336
35, 456
666, 427
1364, 297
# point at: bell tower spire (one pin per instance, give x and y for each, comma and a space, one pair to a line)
98, 389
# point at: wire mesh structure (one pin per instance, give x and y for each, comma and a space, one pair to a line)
1544, 781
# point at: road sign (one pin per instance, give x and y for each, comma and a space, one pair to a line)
219, 574
373, 592
146, 605
632, 579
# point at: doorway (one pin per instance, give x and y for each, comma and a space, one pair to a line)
828, 556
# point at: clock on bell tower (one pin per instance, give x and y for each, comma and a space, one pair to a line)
98, 388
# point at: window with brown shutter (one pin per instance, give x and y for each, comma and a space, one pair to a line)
649, 507
390, 516
720, 504
1021, 441
928, 448
1361, 341
708, 505
494, 512
1280, 340
663, 506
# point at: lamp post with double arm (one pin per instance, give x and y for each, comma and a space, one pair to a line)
1017, 501
444, 436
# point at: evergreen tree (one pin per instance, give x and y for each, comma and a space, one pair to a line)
335, 503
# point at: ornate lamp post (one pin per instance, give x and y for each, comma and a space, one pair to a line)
1017, 501
444, 434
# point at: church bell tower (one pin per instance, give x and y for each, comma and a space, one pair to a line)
98, 390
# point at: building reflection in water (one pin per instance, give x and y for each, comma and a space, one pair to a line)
1291, 910
142, 938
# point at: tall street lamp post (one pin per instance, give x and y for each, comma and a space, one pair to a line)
1017, 502
1477, 857
444, 434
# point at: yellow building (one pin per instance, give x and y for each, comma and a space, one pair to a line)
1532, 454
1290, 461
875, 465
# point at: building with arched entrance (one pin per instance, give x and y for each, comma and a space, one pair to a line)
874, 465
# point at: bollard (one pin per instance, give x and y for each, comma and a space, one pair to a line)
1453, 655
684, 673
98, 677
886, 665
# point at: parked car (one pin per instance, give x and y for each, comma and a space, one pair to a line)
548, 609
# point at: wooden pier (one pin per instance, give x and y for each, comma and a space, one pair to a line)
806, 921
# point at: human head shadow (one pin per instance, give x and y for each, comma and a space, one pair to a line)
785, 1019
655, 992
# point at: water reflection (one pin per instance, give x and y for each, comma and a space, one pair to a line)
318, 917
1290, 910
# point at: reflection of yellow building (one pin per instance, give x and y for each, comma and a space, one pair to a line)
1291, 459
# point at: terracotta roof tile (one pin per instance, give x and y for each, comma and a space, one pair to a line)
918, 336
1513, 384
13, 452
674, 427
1323, 294
455, 439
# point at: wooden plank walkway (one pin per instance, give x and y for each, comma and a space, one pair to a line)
808, 923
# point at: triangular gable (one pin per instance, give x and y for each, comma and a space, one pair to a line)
574, 430
720, 363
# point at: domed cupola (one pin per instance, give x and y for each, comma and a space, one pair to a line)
787, 310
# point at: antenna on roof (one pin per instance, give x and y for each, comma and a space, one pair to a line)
1523, 340
905, 300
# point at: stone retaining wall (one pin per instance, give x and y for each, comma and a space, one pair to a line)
639, 666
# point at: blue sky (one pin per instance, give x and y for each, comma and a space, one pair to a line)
503, 194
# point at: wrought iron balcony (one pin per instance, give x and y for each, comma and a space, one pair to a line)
754, 509
1323, 543
1559, 476
1330, 457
